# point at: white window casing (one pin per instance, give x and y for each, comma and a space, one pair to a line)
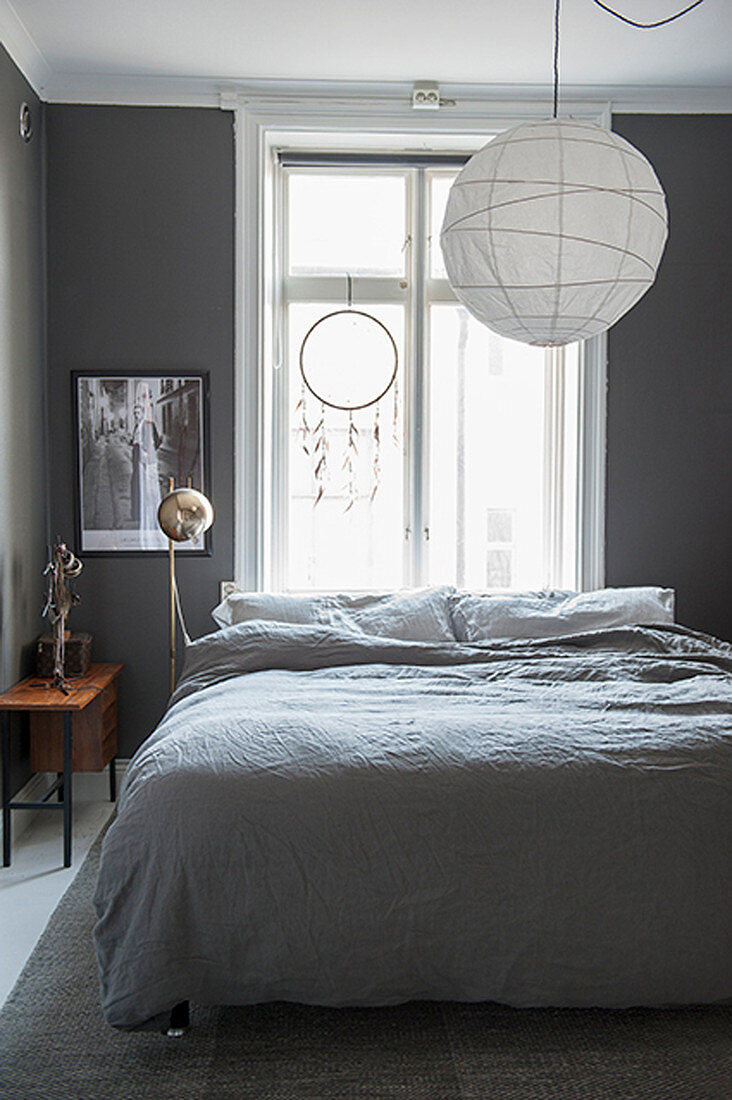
265, 124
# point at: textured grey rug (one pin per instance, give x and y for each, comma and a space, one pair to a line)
54, 1044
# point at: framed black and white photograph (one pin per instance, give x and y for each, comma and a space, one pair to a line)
134, 430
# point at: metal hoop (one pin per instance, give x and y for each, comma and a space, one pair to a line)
369, 317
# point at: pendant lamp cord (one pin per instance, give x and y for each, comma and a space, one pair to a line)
623, 19
556, 57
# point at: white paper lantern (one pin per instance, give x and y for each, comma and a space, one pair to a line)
553, 231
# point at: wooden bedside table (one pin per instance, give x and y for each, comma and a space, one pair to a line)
68, 733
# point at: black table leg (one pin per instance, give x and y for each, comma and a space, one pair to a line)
6, 787
113, 779
67, 788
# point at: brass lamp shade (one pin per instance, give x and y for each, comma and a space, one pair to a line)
185, 513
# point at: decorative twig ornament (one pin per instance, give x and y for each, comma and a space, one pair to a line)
348, 362
61, 597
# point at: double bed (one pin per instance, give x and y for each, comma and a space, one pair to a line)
337, 817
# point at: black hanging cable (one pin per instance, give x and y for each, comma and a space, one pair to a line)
623, 19
647, 26
556, 57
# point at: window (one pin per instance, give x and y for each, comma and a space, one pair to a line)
469, 471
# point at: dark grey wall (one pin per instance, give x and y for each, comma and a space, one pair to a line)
141, 243
669, 467
22, 382
141, 274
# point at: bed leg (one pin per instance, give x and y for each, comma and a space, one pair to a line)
180, 1016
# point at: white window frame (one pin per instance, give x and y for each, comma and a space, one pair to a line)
265, 123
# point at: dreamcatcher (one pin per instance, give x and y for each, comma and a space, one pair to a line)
348, 362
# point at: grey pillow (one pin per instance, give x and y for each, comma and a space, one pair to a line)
242, 607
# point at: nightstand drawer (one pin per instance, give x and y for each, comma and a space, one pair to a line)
47, 741
109, 721
94, 735
109, 696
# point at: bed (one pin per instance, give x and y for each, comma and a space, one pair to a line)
333, 817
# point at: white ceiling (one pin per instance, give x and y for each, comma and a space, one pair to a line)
451, 41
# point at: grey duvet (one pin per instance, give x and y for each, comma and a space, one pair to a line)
343, 820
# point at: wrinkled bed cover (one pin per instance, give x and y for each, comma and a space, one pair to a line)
342, 821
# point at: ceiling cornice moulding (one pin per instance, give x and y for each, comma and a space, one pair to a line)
151, 90
23, 50
469, 99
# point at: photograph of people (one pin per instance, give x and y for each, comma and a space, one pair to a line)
145, 490
134, 433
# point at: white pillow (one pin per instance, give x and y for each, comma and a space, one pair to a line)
553, 614
419, 616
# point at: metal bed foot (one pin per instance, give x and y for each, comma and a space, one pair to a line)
180, 1017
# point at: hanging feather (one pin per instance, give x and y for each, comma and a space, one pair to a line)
320, 454
395, 421
376, 468
349, 464
303, 429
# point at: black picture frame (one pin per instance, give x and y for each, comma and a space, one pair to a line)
132, 430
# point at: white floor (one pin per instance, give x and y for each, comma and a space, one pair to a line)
32, 886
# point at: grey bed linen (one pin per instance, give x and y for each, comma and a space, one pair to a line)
343, 820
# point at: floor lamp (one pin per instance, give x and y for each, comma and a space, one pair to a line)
183, 514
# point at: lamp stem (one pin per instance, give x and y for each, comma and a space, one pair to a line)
171, 572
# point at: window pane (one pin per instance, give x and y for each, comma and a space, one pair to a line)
346, 223
352, 538
497, 427
485, 456
566, 566
439, 190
